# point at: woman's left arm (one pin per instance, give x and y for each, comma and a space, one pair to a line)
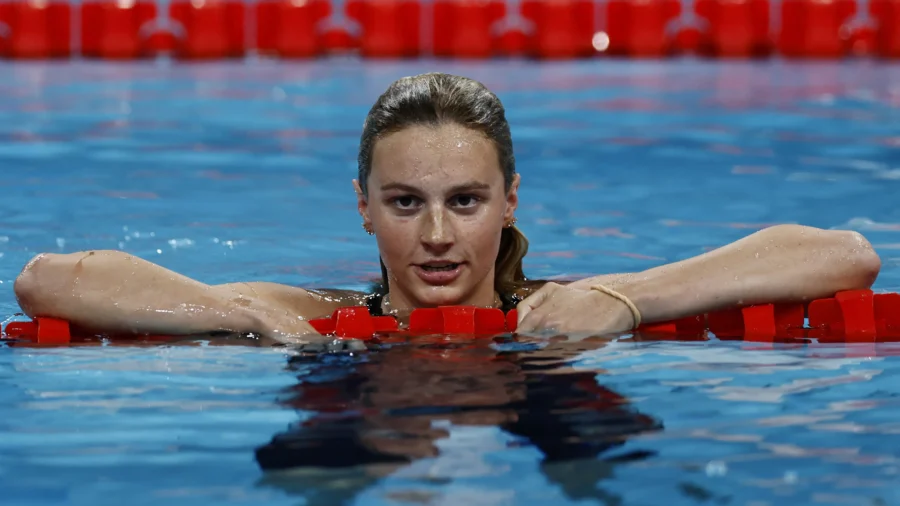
784, 263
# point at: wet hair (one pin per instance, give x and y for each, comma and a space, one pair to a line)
435, 99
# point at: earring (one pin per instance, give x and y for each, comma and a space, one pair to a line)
511, 222
368, 229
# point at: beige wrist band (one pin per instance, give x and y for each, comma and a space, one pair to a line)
612, 293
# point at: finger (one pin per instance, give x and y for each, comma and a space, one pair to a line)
530, 323
536, 320
533, 301
295, 339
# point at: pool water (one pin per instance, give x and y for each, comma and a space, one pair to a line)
241, 171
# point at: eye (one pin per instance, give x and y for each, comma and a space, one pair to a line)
405, 202
466, 201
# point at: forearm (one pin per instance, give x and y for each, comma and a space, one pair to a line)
113, 292
786, 263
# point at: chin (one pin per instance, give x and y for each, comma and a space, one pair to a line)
439, 296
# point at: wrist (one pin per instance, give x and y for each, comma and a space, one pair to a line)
609, 292
645, 292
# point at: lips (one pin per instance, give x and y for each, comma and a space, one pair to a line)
439, 272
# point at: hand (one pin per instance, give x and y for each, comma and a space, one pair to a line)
565, 309
288, 329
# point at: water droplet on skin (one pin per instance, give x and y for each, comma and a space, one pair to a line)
757, 254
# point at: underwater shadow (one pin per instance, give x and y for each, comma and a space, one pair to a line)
374, 412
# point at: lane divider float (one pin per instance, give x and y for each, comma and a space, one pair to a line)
849, 316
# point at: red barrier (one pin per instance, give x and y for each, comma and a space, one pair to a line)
688, 40
562, 28
813, 28
851, 316
887, 35
354, 322
112, 29
287, 28
736, 28
339, 40
390, 28
464, 28
857, 316
639, 28
513, 42
40, 330
212, 28
861, 41
36, 29
160, 42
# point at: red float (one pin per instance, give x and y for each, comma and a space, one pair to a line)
288, 28
861, 40
390, 28
736, 28
464, 28
160, 42
339, 40
887, 35
112, 29
36, 29
638, 28
850, 316
562, 28
814, 28
212, 28
513, 42
688, 40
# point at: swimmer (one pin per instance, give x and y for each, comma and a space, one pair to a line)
438, 189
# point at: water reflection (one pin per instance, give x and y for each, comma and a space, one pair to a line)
383, 410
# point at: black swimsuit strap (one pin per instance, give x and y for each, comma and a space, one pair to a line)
373, 302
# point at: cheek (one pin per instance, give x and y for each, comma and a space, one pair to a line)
396, 239
484, 240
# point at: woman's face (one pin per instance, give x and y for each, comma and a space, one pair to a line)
437, 203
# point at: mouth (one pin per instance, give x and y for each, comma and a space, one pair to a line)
440, 266
439, 273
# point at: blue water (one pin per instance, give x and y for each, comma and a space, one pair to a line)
241, 171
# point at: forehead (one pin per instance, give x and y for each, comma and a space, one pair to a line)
424, 154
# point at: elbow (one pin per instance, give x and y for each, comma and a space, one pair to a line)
858, 264
846, 255
865, 261
27, 286
48, 279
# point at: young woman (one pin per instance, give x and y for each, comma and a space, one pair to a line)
437, 186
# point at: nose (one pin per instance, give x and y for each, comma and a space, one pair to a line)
437, 231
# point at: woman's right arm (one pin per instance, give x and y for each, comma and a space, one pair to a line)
113, 292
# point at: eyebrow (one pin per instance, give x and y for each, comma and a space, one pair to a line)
469, 186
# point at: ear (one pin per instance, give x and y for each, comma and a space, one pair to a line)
512, 199
362, 204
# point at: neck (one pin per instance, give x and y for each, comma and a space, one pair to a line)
401, 307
